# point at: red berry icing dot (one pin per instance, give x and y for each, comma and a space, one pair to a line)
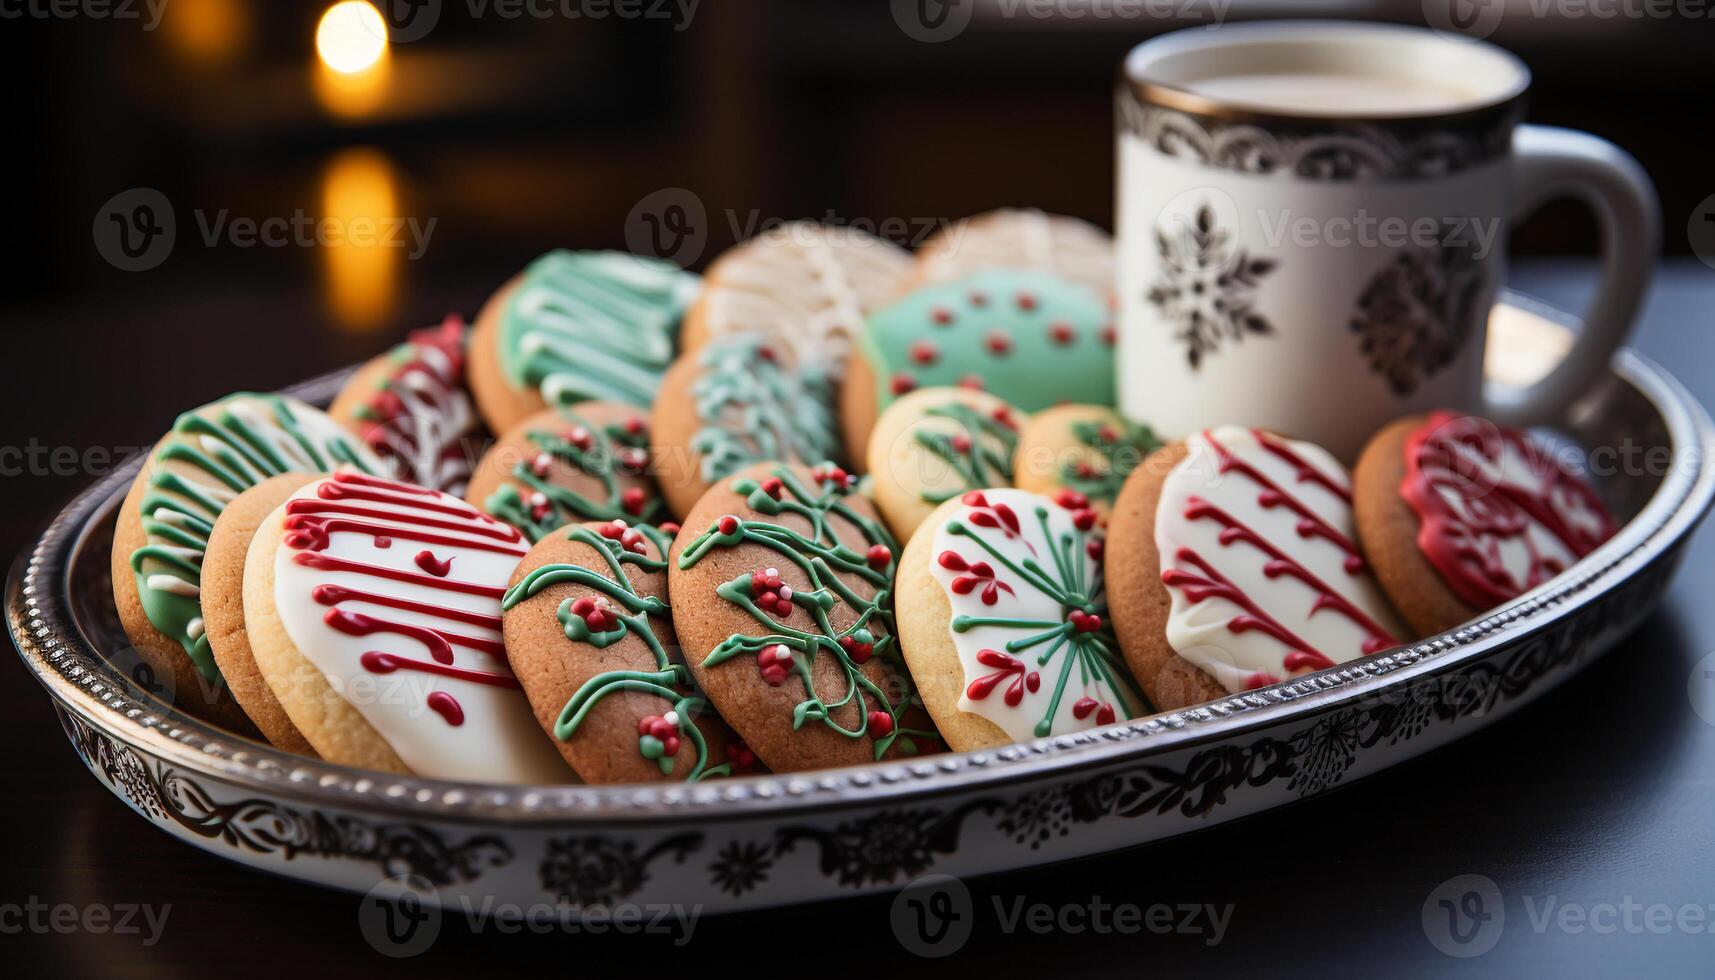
979, 298
998, 343
925, 353
902, 383
729, 524
633, 500
879, 555
880, 723
940, 316
1062, 333
972, 382
1025, 301
1109, 335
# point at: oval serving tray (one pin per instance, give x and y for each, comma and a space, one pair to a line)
769, 840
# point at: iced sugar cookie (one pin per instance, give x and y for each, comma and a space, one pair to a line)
741, 399
590, 635
1026, 336
223, 607
935, 444
589, 462
212, 454
1233, 563
808, 286
790, 575
576, 326
411, 408
1004, 620
1019, 238
1460, 515
373, 610
1088, 449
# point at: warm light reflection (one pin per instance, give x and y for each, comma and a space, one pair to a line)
351, 36
359, 191
207, 32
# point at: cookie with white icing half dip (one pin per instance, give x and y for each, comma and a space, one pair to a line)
1003, 618
373, 612
807, 285
213, 454
1233, 563
411, 408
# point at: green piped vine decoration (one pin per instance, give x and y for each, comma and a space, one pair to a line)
536, 506
972, 451
784, 651
602, 624
1120, 444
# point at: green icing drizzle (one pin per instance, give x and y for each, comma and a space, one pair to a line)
560, 506
971, 453
1093, 654
666, 681
751, 409
233, 453
823, 559
1122, 445
593, 326
1030, 337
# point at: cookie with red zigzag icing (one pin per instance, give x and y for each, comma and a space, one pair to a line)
373, 612
1233, 563
1460, 515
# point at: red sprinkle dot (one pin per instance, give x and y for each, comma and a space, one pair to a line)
633, 500
979, 298
925, 353
880, 723
941, 316
1062, 333
729, 524
902, 383
972, 381
879, 555
998, 343
772, 486
1110, 336
1025, 301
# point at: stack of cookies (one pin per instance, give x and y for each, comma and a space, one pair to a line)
831, 503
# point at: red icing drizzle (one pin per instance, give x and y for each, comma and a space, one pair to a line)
1459, 455
1210, 584
388, 425
415, 514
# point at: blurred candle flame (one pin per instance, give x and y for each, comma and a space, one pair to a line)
359, 192
352, 58
207, 32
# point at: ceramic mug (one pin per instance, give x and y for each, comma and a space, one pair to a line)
1312, 222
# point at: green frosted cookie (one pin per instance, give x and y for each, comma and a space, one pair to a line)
593, 326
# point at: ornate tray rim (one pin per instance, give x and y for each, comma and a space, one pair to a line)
79, 679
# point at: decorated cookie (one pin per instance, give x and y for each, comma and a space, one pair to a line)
1027, 336
410, 407
1460, 515
1233, 563
791, 576
740, 399
1019, 238
589, 462
590, 636
1004, 620
223, 607
213, 454
809, 286
373, 611
573, 327
1086, 448
935, 444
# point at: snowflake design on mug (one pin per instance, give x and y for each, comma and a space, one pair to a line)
1207, 285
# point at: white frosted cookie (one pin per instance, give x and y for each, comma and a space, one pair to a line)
807, 285
373, 609
1019, 238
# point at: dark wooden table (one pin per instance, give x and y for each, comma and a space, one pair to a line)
1599, 799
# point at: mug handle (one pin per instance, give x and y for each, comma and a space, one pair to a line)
1550, 163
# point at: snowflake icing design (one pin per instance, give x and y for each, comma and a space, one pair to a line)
1207, 285
1416, 313
1023, 576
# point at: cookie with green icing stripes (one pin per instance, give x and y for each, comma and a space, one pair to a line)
790, 576
589, 635
574, 327
738, 400
1088, 449
589, 462
933, 445
212, 454
1026, 336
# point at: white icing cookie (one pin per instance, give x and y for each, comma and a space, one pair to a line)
1023, 574
377, 579
1020, 238
806, 284
1259, 555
